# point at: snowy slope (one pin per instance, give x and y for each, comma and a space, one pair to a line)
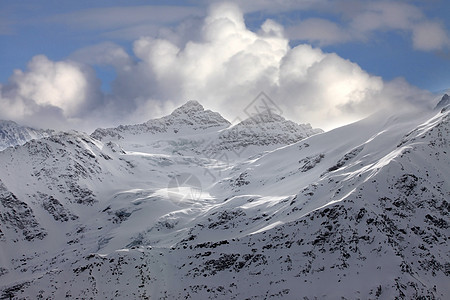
357, 212
12, 134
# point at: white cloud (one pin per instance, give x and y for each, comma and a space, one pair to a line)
110, 18
319, 31
224, 68
132, 22
325, 89
386, 15
231, 65
106, 53
60, 84
360, 21
275, 6
64, 89
430, 36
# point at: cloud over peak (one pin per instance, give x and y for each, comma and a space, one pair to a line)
224, 65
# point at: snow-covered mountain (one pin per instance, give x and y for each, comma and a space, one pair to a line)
444, 102
12, 134
189, 117
190, 207
192, 130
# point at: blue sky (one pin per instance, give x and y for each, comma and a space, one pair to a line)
95, 47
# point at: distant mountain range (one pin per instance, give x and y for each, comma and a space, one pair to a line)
189, 206
12, 134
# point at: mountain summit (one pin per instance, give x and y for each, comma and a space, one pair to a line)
189, 108
189, 117
444, 102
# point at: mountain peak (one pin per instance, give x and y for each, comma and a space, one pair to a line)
192, 106
445, 100
265, 129
192, 114
189, 116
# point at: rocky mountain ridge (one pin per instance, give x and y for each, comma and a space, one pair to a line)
192, 130
12, 134
191, 115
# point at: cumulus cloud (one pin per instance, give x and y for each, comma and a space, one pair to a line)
64, 89
224, 67
60, 84
232, 64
